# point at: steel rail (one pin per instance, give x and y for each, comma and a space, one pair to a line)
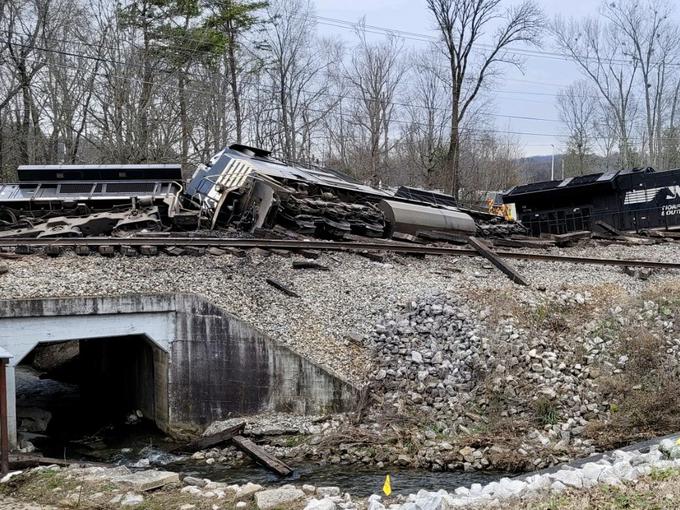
396, 247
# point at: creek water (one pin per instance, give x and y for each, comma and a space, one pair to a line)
73, 436
357, 481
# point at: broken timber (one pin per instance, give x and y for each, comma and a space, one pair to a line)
436, 235
571, 237
261, 456
375, 257
608, 228
522, 243
203, 443
487, 253
278, 285
308, 264
22, 460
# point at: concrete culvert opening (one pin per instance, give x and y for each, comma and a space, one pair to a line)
177, 358
82, 395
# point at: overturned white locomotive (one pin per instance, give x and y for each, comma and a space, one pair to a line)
247, 187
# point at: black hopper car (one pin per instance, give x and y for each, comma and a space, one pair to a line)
629, 200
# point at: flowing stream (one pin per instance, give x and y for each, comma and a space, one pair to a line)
72, 437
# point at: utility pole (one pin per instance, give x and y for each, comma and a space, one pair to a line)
4, 418
552, 164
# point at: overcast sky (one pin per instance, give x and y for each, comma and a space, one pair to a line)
531, 94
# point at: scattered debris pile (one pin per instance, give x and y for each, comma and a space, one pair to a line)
328, 218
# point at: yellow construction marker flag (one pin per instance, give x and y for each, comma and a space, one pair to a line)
387, 486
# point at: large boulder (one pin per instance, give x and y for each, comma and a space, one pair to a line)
273, 498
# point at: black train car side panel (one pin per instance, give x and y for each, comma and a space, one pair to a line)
627, 200
650, 199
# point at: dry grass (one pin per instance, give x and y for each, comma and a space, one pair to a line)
55, 488
646, 394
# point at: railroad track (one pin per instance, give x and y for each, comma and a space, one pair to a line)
287, 244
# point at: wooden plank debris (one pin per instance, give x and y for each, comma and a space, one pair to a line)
308, 264
216, 252
261, 456
148, 251
374, 256
106, 251
521, 243
194, 251
283, 288
173, 251
236, 252
487, 253
23, 460
53, 251
407, 238
437, 235
571, 237
203, 443
308, 254
608, 228
626, 239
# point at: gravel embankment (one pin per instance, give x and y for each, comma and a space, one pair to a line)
334, 307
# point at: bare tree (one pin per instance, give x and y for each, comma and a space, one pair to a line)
374, 74
462, 24
26, 24
428, 110
578, 107
293, 66
602, 55
651, 39
606, 130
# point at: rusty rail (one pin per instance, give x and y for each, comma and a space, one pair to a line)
377, 245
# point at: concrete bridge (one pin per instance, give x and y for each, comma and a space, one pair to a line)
179, 359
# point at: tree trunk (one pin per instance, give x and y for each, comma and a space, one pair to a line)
25, 124
183, 119
233, 81
452, 161
145, 97
284, 119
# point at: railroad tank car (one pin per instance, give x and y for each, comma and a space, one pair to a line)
410, 218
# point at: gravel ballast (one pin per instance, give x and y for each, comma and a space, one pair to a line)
336, 308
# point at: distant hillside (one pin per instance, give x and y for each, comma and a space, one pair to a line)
537, 168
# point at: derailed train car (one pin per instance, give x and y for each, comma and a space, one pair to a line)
628, 200
82, 200
247, 187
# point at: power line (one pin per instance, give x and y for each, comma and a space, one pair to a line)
111, 61
415, 36
341, 114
